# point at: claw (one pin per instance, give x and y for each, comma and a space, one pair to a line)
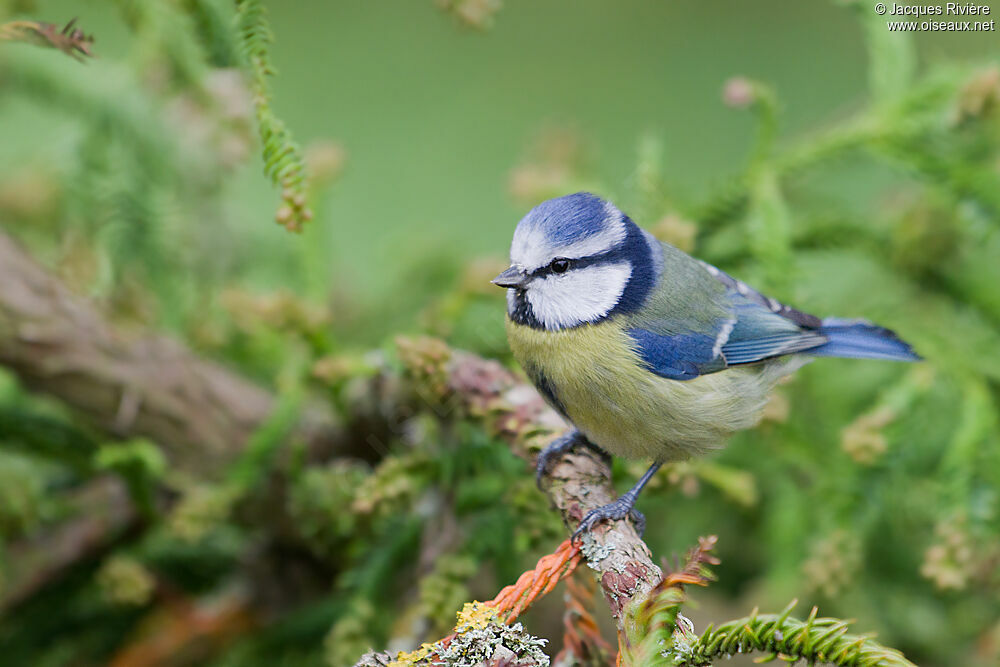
613, 511
638, 520
619, 509
554, 452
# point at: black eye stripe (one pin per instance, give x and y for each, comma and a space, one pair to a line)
615, 254
636, 250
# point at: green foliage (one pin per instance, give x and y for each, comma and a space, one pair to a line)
769, 232
350, 636
657, 634
892, 57
283, 161
816, 640
29, 429
317, 503
21, 495
124, 581
165, 38
871, 488
140, 464
255, 461
446, 589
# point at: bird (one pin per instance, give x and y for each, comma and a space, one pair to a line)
646, 351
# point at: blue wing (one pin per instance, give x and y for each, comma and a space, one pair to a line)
760, 333
677, 356
700, 320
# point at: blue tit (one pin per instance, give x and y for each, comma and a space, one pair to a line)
646, 351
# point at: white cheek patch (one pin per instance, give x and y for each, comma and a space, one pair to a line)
578, 296
531, 249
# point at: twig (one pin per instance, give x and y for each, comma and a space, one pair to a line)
582, 640
103, 513
70, 40
200, 413
581, 480
458, 383
515, 599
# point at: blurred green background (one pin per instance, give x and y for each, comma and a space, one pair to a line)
859, 178
434, 118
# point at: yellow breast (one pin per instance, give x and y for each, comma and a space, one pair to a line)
594, 376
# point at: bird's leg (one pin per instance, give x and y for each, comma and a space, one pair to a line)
621, 508
564, 443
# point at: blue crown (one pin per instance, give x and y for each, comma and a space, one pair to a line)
569, 218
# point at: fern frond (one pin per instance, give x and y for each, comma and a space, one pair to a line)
283, 161
817, 640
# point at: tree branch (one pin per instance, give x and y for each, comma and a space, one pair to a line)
581, 480
103, 512
200, 413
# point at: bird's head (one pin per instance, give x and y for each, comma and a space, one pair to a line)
576, 260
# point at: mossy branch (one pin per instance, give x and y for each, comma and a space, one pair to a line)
653, 621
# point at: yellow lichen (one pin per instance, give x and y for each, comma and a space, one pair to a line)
475, 616
412, 657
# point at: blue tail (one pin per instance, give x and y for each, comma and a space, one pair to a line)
858, 339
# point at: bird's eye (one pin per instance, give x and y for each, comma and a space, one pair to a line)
559, 265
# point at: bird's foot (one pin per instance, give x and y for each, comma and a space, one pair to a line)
613, 511
554, 451
619, 509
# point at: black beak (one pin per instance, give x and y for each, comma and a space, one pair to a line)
512, 277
